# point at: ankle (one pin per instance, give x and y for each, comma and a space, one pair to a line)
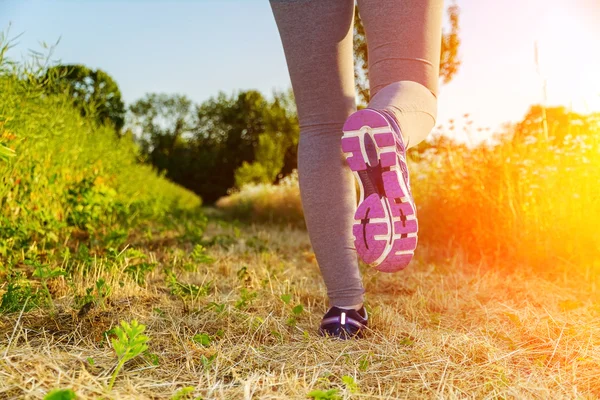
354, 307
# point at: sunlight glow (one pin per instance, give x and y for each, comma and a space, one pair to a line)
569, 58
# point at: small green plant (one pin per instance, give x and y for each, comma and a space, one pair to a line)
94, 296
44, 274
278, 335
61, 394
18, 296
350, 383
218, 307
256, 322
199, 255
207, 361
152, 357
138, 272
186, 290
363, 364
296, 311
331, 394
185, 393
246, 298
130, 343
286, 298
202, 339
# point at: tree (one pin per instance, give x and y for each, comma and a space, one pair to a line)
161, 120
277, 151
251, 138
162, 124
449, 60
205, 148
94, 92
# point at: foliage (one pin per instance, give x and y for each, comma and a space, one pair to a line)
18, 296
223, 142
199, 255
93, 92
561, 123
162, 123
519, 200
70, 186
202, 339
449, 59
185, 393
61, 394
331, 394
95, 295
185, 290
130, 343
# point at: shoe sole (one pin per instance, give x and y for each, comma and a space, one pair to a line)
385, 228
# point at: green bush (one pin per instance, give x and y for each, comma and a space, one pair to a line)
64, 175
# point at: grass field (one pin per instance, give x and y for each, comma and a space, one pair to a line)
116, 284
243, 325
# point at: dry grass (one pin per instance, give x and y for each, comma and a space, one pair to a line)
526, 201
266, 203
442, 330
522, 200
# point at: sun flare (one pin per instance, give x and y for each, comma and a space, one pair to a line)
566, 57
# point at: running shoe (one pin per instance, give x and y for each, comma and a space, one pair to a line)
385, 227
344, 323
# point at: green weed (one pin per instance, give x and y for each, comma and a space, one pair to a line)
61, 394
129, 344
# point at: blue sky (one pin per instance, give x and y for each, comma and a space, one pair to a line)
199, 48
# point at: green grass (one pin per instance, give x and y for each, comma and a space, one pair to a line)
69, 184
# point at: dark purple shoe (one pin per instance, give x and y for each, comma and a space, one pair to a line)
344, 324
385, 228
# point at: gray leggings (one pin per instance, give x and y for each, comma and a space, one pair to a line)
404, 39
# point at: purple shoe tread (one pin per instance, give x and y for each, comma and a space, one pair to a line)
385, 139
391, 206
373, 206
365, 117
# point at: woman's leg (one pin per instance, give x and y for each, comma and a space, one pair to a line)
317, 41
404, 43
